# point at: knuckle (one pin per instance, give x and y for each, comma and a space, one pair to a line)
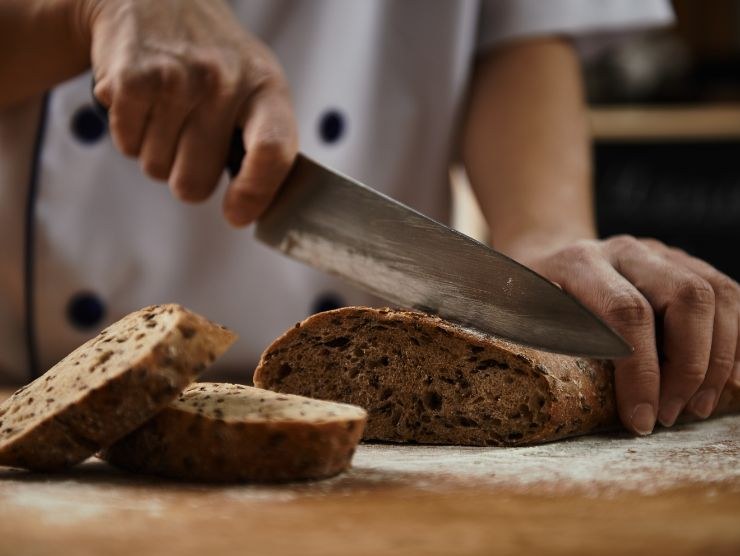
277, 82
678, 252
265, 72
206, 73
653, 242
691, 374
227, 85
170, 78
159, 77
724, 287
582, 251
264, 65
202, 73
654, 245
624, 242
695, 291
628, 307
721, 363
220, 74
137, 82
272, 151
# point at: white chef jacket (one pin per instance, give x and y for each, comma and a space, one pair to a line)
85, 237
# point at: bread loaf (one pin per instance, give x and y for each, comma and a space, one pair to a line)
425, 380
229, 432
107, 387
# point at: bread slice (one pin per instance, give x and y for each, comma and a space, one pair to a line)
425, 380
107, 387
228, 432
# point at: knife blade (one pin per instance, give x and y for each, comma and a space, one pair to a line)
338, 225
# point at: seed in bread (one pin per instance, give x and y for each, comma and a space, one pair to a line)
107, 387
228, 432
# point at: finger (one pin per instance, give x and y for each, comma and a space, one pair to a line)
686, 302
178, 89
271, 144
161, 138
201, 153
724, 336
127, 116
584, 272
161, 87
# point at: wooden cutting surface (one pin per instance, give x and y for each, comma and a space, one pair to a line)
676, 492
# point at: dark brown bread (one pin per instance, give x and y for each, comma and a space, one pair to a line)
425, 380
228, 432
107, 387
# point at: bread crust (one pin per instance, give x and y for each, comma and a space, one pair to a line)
439, 383
96, 394
184, 444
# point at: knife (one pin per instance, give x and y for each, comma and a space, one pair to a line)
340, 226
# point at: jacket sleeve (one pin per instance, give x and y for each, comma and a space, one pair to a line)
508, 20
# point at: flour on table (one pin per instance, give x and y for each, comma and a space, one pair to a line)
64, 502
703, 453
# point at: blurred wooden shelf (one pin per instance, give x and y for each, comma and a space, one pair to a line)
674, 123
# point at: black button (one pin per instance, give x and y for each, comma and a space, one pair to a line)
331, 126
88, 125
85, 310
327, 302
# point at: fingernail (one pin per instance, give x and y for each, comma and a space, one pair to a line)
703, 404
669, 412
643, 419
736, 374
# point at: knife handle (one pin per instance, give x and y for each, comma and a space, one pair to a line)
236, 146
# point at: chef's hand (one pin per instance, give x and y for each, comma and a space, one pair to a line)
680, 314
178, 76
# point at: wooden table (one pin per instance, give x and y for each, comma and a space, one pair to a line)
677, 492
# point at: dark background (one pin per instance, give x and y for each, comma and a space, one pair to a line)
682, 189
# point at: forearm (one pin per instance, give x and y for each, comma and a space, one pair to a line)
42, 42
525, 145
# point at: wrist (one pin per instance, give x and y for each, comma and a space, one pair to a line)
80, 19
532, 245
65, 23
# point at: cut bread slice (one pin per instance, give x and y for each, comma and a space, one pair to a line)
228, 432
426, 380
107, 387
